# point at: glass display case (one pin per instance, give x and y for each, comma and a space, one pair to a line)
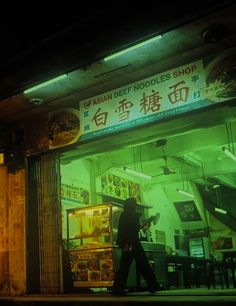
91, 236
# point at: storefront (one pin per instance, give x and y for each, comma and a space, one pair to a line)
144, 140
183, 229
128, 145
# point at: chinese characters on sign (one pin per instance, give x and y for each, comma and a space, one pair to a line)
179, 90
157, 97
74, 194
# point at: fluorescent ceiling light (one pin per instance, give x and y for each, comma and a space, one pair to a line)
229, 153
137, 173
148, 41
45, 83
220, 210
188, 194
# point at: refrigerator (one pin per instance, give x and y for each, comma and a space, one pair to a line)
199, 247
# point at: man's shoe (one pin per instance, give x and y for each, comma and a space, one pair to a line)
158, 287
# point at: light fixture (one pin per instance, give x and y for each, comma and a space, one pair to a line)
145, 42
29, 90
219, 202
36, 101
229, 153
216, 186
186, 193
137, 173
220, 210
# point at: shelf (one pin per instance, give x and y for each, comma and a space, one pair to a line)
89, 236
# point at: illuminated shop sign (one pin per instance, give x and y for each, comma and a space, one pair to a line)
180, 90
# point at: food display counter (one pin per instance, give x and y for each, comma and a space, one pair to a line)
91, 232
92, 268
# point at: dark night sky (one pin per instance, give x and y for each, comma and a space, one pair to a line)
31, 24
36, 36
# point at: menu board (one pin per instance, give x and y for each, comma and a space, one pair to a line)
118, 187
187, 211
92, 268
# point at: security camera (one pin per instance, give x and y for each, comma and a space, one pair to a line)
214, 33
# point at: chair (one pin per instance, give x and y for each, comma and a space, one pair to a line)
217, 274
229, 262
203, 272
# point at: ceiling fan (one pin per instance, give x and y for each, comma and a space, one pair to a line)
166, 169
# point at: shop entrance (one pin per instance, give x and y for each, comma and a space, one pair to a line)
153, 172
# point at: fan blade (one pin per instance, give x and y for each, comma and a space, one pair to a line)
159, 174
156, 218
172, 172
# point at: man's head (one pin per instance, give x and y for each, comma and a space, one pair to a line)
130, 205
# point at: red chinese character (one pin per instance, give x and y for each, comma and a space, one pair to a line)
178, 94
123, 109
100, 118
151, 102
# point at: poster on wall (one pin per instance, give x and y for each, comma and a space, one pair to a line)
160, 237
74, 194
222, 243
187, 211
